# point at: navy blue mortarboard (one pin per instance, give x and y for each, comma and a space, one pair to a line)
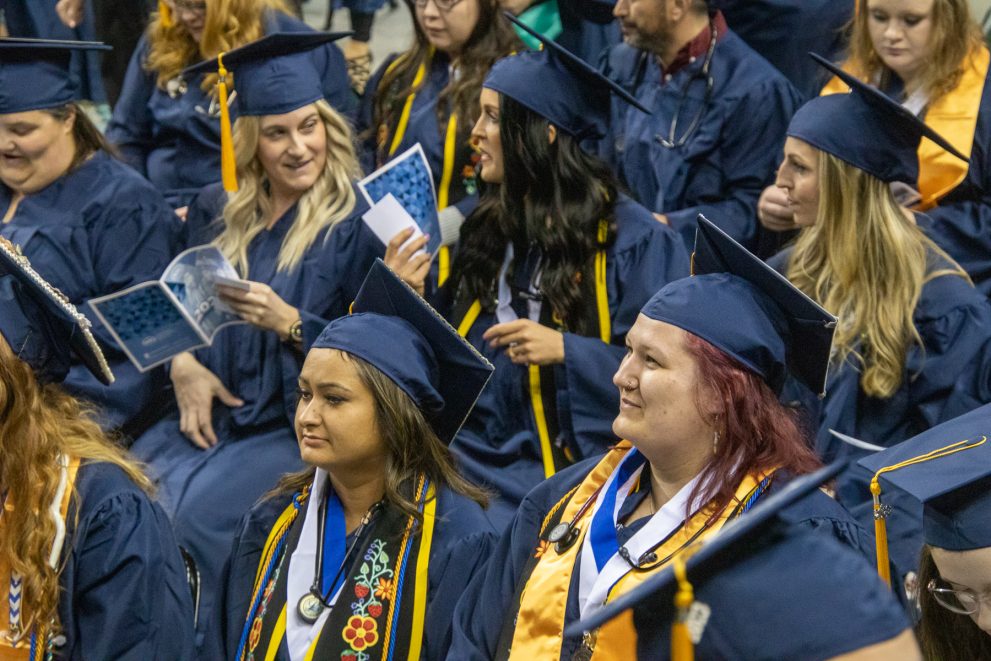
741, 305
866, 129
35, 73
761, 566
559, 86
948, 469
272, 77
41, 326
397, 332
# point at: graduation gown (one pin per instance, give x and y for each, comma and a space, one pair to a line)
726, 163
493, 599
123, 584
99, 229
502, 444
207, 492
789, 595
172, 135
460, 544
946, 377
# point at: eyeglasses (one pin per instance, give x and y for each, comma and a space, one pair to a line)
959, 600
190, 6
442, 5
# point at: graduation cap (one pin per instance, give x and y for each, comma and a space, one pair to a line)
41, 326
744, 307
272, 77
948, 469
559, 86
35, 73
735, 562
866, 129
395, 330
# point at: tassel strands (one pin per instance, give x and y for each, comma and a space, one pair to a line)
682, 648
165, 14
228, 166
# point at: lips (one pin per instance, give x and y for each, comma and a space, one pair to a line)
625, 403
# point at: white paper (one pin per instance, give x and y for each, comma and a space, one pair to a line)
387, 218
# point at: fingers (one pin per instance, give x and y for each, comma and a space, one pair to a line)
225, 396
182, 212
496, 336
191, 424
397, 241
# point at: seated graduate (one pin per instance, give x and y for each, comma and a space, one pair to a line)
947, 470
89, 224
930, 56
549, 275
167, 121
912, 344
90, 564
705, 439
368, 549
813, 597
293, 230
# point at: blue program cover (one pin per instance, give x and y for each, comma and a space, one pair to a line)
409, 180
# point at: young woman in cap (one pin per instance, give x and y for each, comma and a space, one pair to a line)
167, 122
550, 272
367, 550
89, 563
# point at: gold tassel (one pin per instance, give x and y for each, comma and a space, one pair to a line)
880, 533
228, 166
682, 648
165, 14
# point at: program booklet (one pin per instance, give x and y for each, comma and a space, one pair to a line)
156, 320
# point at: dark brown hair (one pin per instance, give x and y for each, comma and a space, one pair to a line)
943, 634
88, 139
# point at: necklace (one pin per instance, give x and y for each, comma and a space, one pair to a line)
312, 604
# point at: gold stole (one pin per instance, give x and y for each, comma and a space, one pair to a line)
540, 622
21, 651
954, 116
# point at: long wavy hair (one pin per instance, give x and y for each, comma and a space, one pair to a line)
39, 424
327, 202
756, 432
866, 262
412, 445
491, 40
554, 194
943, 634
228, 24
955, 35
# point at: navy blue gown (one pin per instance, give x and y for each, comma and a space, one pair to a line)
172, 135
946, 377
99, 229
207, 492
727, 162
490, 598
499, 445
124, 590
461, 544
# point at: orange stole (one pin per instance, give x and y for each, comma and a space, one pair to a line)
954, 117
21, 651
540, 622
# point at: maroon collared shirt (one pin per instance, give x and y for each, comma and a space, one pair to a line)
697, 47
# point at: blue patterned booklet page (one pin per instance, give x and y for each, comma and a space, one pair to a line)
156, 320
407, 177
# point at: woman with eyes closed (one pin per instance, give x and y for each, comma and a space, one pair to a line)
912, 341
705, 439
365, 552
929, 56
293, 231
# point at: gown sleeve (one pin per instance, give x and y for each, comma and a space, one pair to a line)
129, 595
130, 127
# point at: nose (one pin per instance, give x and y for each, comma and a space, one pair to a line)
625, 378
477, 132
430, 9
306, 414
780, 179
619, 9
297, 146
892, 33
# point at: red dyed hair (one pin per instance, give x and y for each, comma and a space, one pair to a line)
756, 432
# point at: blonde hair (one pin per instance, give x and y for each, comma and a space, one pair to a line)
38, 425
228, 24
328, 201
866, 263
955, 35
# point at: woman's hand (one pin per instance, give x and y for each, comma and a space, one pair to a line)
410, 265
70, 12
527, 342
261, 307
773, 210
195, 387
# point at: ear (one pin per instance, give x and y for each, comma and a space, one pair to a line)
551, 134
69, 123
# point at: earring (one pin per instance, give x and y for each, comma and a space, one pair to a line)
715, 441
